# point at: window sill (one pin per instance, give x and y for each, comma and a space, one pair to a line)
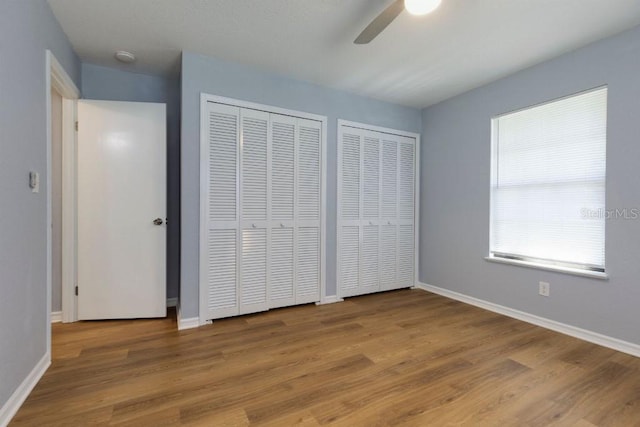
566, 270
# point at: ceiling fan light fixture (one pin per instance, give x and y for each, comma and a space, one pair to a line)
421, 7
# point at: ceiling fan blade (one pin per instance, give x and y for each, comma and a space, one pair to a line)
380, 22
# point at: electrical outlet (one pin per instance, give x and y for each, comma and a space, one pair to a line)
544, 289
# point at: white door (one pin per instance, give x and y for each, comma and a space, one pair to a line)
261, 181
221, 243
406, 209
121, 210
370, 213
308, 211
349, 196
376, 203
282, 213
254, 274
389, 213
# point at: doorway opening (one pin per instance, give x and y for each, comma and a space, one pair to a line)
61, 98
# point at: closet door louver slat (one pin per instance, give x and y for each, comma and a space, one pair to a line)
222, 268
350, 198
349, 261
309, 171
308, 265
253, 288
282, 285
223, 135
283, 167
254, 166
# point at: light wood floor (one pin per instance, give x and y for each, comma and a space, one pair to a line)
400, 358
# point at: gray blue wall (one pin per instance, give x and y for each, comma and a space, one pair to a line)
27, 29
455, 167
217, 77
116, 85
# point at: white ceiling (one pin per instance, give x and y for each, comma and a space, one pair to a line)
416, 61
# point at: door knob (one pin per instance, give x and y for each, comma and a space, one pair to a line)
157, 221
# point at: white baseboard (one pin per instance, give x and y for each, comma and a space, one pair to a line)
172, 302
583, 334
330, 299
18, 397
188, 322
56, 316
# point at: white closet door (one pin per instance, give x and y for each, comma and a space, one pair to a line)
261, 178
406, 205
369, 260
254, 172
282, 213
308, 211
349, 151
376, 174
221, 244
389, 213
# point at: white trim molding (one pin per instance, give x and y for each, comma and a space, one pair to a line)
60, 80
172, 302
10, 408
56, 316
330, 299
548, 267
563, 328
187, 322
57, 79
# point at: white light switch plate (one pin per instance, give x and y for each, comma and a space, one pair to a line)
34, 182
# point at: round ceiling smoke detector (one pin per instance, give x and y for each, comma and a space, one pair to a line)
124, 56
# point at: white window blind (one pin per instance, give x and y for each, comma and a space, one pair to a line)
548, 182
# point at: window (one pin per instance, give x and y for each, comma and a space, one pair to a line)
548, 183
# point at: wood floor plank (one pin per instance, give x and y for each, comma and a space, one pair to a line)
404, 357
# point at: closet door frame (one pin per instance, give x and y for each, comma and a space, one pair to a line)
416, 191
206, 98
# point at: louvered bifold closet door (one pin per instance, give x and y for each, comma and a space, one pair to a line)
282, 213
349, 201
254, 173
222, 136
308, 211
369, 225
389, 213
376, 205
406, 207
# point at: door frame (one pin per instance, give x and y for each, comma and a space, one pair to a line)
206, 98
416, 191
57, 79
